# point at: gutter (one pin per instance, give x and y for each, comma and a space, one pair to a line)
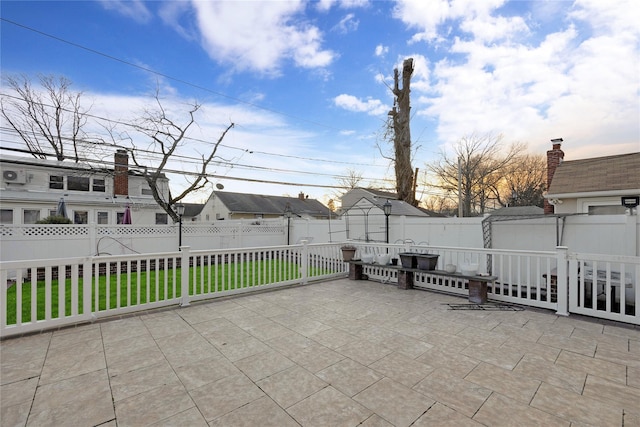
607, 193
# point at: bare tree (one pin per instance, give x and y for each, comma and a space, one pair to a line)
441, 204
524, 182
477, 166
46, 117
166, 136
351, 180
399, 122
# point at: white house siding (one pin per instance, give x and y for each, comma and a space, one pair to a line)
29, 198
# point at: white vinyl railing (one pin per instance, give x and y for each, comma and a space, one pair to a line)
605, 286
560, 280
44, 294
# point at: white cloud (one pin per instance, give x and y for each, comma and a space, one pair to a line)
173, 13
428, 16
579, 82
260, 36
325, 5
134, 9
381, 50
490, 28
347, 24
373, 107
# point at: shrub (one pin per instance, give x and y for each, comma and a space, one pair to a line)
54, 219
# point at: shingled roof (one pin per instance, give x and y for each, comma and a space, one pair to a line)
271, 205
600, 174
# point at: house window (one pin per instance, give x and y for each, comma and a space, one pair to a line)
6, 216
80, 217
56, 182
78, 183
30, 216
147, 192
103, 218
162, 218
98, 185
607, 210
119, 217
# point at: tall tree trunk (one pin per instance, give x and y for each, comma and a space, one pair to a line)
401, 115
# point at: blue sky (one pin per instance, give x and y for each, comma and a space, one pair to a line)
306, 82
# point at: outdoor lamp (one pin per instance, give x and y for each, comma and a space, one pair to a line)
630, 202
387, 211
180, 212
288, 214
387, 208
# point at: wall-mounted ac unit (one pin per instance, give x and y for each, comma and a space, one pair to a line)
14, 176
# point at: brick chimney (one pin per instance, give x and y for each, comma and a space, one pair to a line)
121, 176
554, 158
301, 196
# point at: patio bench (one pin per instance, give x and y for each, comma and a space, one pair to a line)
477, 285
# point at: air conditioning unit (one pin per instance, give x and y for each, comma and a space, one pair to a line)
14, 176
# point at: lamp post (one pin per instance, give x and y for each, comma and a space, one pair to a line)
387, 211
180, 212
288, 214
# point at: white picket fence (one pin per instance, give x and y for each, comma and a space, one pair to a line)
44, 294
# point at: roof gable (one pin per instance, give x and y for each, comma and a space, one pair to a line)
611, 173
274, 205
398, 207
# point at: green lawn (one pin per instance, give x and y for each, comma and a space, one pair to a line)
146, 287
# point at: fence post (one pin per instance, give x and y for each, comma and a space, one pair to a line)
184, 275
562, 287
304, 268
93, 239
87, 291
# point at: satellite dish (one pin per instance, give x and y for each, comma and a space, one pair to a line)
219, 186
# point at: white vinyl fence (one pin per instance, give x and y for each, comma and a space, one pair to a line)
43, 294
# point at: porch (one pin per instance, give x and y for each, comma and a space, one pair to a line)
337, 352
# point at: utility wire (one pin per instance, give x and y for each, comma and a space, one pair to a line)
192, 161
166, 76
180, 172
137, 127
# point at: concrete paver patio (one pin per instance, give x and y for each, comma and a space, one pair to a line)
338, 353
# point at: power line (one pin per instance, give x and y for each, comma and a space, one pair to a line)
178, 172
137, 127
176, 79
194, 160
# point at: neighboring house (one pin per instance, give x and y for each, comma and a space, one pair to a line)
224, 205
590, 186
31, 188
354, 195
192, 212
359, 200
